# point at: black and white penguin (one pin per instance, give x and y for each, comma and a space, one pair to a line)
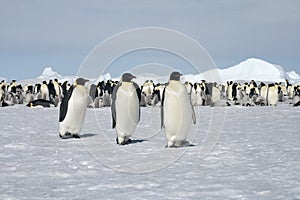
177, 112
45, 91
72, 110
215, 93
272, 94
296, 98
12, 87
57, 88
263, 90
229, 90
40, 103
106, 99
125, 108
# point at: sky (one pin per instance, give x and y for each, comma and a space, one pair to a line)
61, 34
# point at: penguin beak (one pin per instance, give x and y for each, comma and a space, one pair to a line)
133, 77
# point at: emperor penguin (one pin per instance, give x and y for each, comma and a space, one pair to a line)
216, 93
125, 108
177, 112
229, 90
296, 99
72, 110
272, 94
45, 91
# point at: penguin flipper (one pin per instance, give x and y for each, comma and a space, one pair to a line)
113, 104
64, 104
162, 108
139, 94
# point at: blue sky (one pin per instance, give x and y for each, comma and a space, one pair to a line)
60, 34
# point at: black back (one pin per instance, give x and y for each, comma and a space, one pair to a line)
64, 104
52, 92
162, 108
93, 91
113, 105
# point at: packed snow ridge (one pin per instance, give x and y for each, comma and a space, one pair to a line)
49, 73
254, 69
250, 69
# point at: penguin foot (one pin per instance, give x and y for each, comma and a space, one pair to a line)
124, 142
65, 136
184, 143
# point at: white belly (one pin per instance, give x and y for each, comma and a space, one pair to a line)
216, 95
273, 96
76, 112
127, 110
45, 92
263, 92
177, 112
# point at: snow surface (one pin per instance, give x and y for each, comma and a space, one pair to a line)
257, 156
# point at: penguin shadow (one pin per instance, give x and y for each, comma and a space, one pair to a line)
87, 135
181, 146
137, 141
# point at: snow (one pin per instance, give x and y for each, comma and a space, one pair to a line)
254, 69
49, 73
294, 77
250, 69
255, 157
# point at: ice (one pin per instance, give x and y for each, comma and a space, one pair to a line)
257, 156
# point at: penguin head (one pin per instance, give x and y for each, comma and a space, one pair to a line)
81, 81
127, 77
175, 76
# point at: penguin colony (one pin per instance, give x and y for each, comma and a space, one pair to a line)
73, 101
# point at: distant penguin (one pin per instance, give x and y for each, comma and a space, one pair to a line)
125, 108
45, 91
263, 90
3, 103
272, 95
64, 88
72, 110
143, 100
296, 98
191, 91
177, 112
229, 90
260, 101
2, 94
57, 88
29, 97
106, 99
93, 92
98, 102
40, 103
12, 87
216, 93
51, 89
235, 91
